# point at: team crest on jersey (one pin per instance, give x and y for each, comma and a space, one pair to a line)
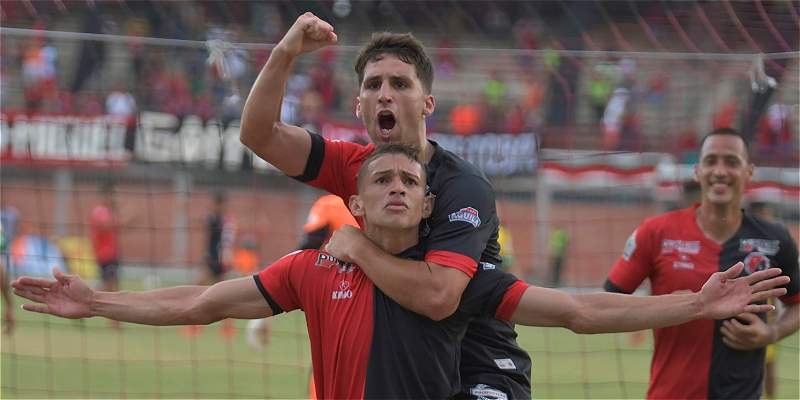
630, 247
768, 247
755, 261
468, 215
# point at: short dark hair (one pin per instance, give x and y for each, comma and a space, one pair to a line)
727, 132
390, 148
402, 45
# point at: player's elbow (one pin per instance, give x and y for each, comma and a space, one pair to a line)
439, 306
257, 139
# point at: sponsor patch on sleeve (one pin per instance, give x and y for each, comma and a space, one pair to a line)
630, 247
505, 363
466, 214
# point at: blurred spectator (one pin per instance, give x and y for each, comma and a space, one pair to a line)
774, 137
121, 106
526, 35
466, 119
8, 302
92, 52
136, 28
614, 117
725, 115
600, 86
495, 93
39, 65
559, 242
312, 109
445, 64
104, 233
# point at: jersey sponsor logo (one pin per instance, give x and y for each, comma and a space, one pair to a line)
344, 291
327, 261
669, 246
468, 215
505, 363
755, 261
487, 266
630, 247
768, 247
486, 392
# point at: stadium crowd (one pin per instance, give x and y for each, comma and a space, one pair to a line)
608, 102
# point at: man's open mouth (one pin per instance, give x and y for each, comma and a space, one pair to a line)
386, 121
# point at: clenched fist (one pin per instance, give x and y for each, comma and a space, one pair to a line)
308, 33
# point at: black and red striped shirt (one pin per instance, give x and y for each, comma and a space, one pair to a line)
363, 344
690, 360
461, 233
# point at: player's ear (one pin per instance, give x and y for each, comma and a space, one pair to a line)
358, 107
427, 205
430, 105
356, 206
696, 176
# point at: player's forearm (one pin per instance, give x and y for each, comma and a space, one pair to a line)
612, 312
262, 110
416, 285
788, 323
169, 306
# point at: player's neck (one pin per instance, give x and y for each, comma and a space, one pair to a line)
718, 222
393, 241
426, 151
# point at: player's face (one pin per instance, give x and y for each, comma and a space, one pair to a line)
723, 170
392, 102
392, 194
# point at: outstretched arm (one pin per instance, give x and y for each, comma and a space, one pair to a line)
68, 296
722, 296
284, 146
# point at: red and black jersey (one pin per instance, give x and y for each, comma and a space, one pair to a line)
461, 232
690, 360
363, 344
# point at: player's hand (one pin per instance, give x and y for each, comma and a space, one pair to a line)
8, 320
308, 33
747, 332
67, 296
344, 241
724, 295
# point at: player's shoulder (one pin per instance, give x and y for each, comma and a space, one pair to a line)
670, 219
343, 147
452, 173
448, 163
768, 229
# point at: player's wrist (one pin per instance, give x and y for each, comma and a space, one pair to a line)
774, 334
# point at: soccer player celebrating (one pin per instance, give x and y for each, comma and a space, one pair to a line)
395, 78
679, 250
365, 345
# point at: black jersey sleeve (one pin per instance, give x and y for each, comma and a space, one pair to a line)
463, 220
486, 290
